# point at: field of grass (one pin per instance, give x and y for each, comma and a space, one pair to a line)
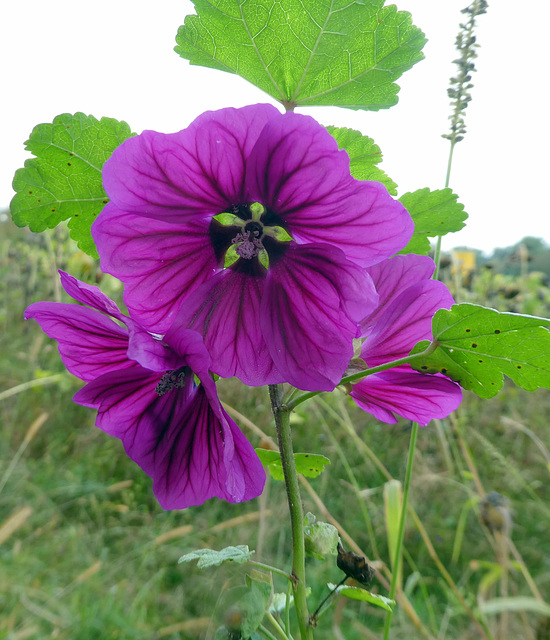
86, 553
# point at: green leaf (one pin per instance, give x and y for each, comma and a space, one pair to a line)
355, 593
306, 52
477, 346
210, 558
253, 606
363, 154
308, 464
320, 538
64, 179
435, 213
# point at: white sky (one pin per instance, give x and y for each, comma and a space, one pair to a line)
114, 58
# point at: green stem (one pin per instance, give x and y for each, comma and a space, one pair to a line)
281, 413
267, 634
437, 255
400, 535
268, 567
277, 626
367, 372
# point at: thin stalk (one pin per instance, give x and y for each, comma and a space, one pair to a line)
401, 533
437, 255
267, 634
281, 415
268, 567
276, 625
330, 593
367, 372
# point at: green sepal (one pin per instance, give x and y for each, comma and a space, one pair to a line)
227, 219
477, 347
346, 54
211, 558
64, 180
434, 213
231, 256
308, 464
363, 154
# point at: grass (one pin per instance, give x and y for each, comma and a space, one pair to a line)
86, 552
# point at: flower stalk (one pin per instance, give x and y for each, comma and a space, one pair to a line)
281, 415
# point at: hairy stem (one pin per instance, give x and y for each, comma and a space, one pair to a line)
281, 413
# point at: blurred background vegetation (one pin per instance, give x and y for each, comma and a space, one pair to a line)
86, 553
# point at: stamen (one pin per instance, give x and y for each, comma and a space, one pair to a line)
250, 247
174, 379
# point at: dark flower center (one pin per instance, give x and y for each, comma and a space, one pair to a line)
248, 232
174, 379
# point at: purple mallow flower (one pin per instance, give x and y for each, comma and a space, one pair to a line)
408, 301
146, 392
248, 228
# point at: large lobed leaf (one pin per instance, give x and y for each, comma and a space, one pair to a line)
345, 53
363, 154
64, 179
477, 346
435, 213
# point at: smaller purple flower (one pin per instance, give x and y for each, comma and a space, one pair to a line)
408, 301
146, 394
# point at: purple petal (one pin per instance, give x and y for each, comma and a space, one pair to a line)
414, 396
405, 321
90, 295
90, 344
313, 301
225, 310
142, 347
197, 171
393, 276
160, 263
297, 171
176, 438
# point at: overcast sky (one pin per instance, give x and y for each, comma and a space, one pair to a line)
114, 58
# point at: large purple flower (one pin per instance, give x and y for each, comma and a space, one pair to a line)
146, 395
248, 227
408, 301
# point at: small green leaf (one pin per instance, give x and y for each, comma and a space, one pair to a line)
435, 213
321, 538
342, 53
64, 179
355, 593
308, 464
210, 558
363, 154
477, 346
